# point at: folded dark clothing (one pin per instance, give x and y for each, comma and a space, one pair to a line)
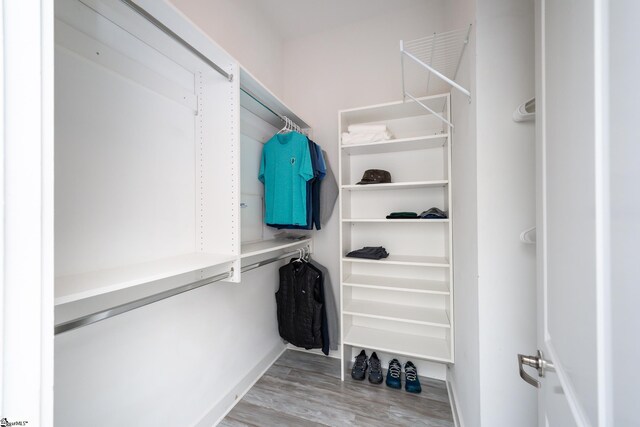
369, 252
433, 213
402, 215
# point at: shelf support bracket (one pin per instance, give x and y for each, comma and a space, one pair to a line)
426, 107
438, 73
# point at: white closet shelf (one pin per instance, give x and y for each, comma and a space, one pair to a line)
399, 284
412, 260
266, 246
436, 349
392, 111
397, 312
85, 285
401, 220
396, 185
397, 145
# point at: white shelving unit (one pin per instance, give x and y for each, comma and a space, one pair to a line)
396, 186
147, 156
157, 156
85, 285
399, 221
401, 305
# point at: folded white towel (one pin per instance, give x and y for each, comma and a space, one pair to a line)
360, 138
367, 128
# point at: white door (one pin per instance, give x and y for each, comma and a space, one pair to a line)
572, 213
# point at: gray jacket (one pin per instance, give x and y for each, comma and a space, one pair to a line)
330, 307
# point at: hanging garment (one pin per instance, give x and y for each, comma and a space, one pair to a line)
285, 168
309, 185
330, 306
325, 325
329, 193
313, 192
299, 305
316, 187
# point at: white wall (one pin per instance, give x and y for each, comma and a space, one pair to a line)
346, 67
506, 206
181, 360
242, 30
464, 375
624, 209
169, 363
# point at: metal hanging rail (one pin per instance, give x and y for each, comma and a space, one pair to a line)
302, 252
285, 119
123, 308
132, 305
149, 17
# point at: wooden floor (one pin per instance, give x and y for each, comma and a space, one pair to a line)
303, 389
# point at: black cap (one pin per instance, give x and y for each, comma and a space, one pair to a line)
375, 176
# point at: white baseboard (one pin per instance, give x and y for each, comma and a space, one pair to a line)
453, 398
226, 403
332, 353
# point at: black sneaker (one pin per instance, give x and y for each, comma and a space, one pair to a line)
393, 374
359, 367
411, 381
375, 369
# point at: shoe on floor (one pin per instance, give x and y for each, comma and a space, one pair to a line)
375, 369
411, 381
393, 374
359, 367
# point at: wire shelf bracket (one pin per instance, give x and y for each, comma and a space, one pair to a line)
440, 54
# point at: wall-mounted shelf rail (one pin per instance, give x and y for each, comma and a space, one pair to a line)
141, 302
132, 305
265, 246
440, 54
90, 284
259, 100
204, 58
302, 252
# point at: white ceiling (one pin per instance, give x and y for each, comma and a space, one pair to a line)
293, 18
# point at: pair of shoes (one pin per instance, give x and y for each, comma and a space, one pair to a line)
359, 370
411, 381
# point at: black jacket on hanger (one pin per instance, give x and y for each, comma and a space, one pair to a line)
325, 324
299, 305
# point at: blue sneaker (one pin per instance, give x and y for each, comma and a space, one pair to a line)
393, 374
411, 381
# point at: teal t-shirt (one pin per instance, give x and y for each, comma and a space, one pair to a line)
285, 169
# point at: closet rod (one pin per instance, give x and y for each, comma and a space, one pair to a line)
255, 98
123, 308
146, 15
305, 252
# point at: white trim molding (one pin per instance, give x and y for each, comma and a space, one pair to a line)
26, 308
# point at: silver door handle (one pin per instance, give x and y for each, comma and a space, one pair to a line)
537, 362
